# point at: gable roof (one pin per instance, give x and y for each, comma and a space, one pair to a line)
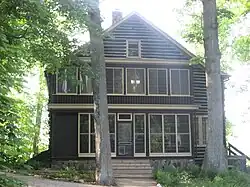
147, 22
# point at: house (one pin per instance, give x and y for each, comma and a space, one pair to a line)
157, 100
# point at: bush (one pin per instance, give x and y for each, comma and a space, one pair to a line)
195, 177
10, 182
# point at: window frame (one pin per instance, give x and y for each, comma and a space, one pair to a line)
144, 81
89, 134
189, 85
145, 134
139, 48
148, 77
118, 119
60, 93
122, 68
163, 136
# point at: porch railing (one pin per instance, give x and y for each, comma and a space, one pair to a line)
233, 151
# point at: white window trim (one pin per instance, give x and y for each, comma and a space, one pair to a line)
157, 84
130, 119
113, 80
59, 93
140, 154
139, 48
79, 134
163, 141
170, 77
144, 82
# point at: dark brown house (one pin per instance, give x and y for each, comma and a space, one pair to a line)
157, 100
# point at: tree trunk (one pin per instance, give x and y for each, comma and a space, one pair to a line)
40, 98
215, 157
104, 173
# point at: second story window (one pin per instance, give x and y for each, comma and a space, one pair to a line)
136, 81
85, 83
66, 82
133, 48
114, 78
179, 82
157, 81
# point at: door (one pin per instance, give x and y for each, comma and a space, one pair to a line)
125, 140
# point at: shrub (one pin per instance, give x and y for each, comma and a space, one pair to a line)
10, 182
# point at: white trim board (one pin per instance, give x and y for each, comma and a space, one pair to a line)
125, 106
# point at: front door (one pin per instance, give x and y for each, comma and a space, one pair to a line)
125, 140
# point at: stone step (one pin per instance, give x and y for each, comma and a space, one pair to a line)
137, 176
132, 167
130, 162
132, 171
136, 182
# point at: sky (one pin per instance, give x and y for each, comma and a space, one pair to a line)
162, 14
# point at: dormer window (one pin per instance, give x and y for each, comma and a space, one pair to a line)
133, 48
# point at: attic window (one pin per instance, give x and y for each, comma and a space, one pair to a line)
133, 48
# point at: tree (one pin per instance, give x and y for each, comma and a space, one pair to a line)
104, 174
215, 157
40, 101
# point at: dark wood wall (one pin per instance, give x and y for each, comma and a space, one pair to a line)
153, 44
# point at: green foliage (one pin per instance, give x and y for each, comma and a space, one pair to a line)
242, 47
10, 182
68, 174
194, 177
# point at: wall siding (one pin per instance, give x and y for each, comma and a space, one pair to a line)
64, 138
153, 44
199, 89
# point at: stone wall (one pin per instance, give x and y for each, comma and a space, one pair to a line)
77, 164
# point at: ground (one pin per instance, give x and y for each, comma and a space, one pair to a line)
41, 182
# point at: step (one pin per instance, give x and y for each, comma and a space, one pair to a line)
138, 176
135, 182
132, 171
130, 161
132, 167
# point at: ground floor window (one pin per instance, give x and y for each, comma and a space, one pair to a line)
87, 134
200, 130
169, 134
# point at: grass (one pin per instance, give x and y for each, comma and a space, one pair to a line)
195, 177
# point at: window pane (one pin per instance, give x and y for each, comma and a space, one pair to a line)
86, 83
153, 78
204, 129
184, 82
112, 142
84, 123
196, 130
118, 81
109, 79
135, 81
170, 143
84, 143
66, 80
183, 143
183, 124
92, 124
139, 143
169, 124
133, 48
155, 123
92, 143
175, 82
156, 143
111, 123
139, 123
162, 81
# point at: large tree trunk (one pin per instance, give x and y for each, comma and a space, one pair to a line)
40, 99
104, 174
215, 157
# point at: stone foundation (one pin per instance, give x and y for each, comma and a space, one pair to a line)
157, 164
77, 164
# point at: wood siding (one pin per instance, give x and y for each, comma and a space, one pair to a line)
153, 44
199, 89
